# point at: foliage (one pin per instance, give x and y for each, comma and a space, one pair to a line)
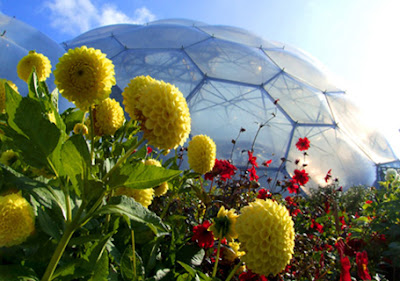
84, 232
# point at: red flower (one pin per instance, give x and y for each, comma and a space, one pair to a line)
203, 237
303, 144
250, 276
327, 207
345, 272
343, 222
300, 177
264, 194
362, 262
252, 159
149, 150
368, 202
328, 175
266, 163
317, 226
293, 187
253, 174
222, 168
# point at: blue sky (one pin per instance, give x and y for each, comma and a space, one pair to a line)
357, 40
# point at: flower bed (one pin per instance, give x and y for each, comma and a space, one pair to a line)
84, 195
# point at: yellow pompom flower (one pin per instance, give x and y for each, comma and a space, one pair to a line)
201, 154
17, 221
161, 110
224, 224
81, 128
142, 196
162, 188
32, 59
266, 232
108, 117
233, 252
84, 76
8, 157
3, 92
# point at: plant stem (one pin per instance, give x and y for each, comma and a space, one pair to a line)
91, 135
62, 244
217, 258
133, 254
122, 159
233, 271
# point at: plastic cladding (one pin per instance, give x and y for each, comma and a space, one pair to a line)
16, 40
233, 79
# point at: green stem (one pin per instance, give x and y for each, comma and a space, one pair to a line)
68, 204
122, 159
234, 271
217, 258
133, 254
62, 244
91, 135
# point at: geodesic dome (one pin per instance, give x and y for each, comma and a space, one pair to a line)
233, 79
16, 40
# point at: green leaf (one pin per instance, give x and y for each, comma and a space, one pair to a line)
140, 176
36, 133
17, 273
191, 255
126, 266
101, 269
122, 205
72, 116
75, 157
188, 268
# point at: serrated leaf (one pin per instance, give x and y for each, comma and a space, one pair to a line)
75, 157
17, 273
122, 205
140, 176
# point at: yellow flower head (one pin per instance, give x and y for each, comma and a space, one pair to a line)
32, 59
80, 128
201, 154
84, 76
265, 230
224, 224
142, 196
161, 110
233, 252
3, 93
162, 188
17, 221
8, 157
108, 117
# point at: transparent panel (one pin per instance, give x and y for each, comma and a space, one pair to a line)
300, 66
382, 168
220, 110
238, 35
171, 66
350, 119
226, 60
331, 149
161, 36
184, 22
101, 32
302, 103
108, 45
10, 55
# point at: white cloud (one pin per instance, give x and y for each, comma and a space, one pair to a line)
76, 16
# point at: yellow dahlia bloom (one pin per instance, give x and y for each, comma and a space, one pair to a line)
84, 76
33, 59
3, 93
201, 154
161, 110
17, 221
108, 117
265, 230
81, 128
224, 224
162, 188
142, 196
233, 253
7, 157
